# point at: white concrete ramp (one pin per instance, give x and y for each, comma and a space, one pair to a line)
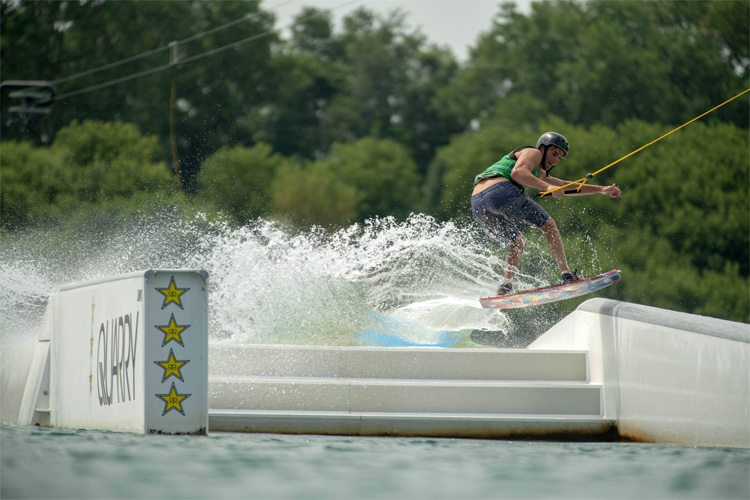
667, 377
132, 353
403, 391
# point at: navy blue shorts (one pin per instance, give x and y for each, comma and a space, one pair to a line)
501, 206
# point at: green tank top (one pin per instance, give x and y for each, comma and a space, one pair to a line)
504, 167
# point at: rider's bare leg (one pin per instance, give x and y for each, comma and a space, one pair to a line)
513, 258
554, 240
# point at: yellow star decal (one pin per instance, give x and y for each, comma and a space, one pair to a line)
172, 331
172, 294
172, 367
173, 400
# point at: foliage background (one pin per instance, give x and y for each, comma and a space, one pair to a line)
336, 126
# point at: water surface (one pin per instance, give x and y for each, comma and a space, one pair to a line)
66, 463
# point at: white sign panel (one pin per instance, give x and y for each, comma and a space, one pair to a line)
131, 353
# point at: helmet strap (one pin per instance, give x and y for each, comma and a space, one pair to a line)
544, 157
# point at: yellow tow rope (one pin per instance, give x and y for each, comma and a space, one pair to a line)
582, 181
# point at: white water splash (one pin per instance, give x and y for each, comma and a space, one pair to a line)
421, 277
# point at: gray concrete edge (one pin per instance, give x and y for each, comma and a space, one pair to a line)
704, 325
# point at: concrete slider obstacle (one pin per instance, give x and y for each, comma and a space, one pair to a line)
131, 353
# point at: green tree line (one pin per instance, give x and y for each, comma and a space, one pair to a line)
335, 126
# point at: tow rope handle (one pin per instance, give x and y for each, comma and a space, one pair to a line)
582, 181
576, 190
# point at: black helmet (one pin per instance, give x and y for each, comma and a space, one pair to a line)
553, 139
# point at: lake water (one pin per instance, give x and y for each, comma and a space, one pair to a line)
66, 463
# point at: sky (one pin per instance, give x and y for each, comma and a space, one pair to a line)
455, 23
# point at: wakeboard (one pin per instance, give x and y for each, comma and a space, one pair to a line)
552, 293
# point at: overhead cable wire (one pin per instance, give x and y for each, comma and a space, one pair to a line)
189, 59
112, 82
242, 19
109, 66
